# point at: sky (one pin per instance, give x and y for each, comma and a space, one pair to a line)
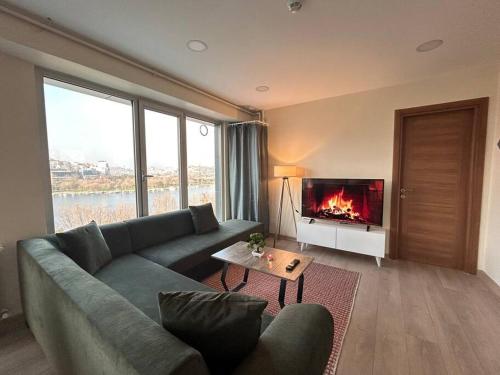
87, 128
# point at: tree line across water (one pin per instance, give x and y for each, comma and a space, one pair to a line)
124, 183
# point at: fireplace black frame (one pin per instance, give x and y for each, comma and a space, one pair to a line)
305, 210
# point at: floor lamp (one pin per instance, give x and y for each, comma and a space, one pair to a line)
285, 171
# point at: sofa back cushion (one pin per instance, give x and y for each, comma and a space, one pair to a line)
86, 246
204, 219
156, 229
116, 235
118, 238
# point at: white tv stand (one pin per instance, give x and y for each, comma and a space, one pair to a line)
353, 238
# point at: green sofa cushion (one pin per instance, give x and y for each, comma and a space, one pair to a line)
223, 327
118, 238
183, 253
86, 246
156, 229
140, 280
204, 219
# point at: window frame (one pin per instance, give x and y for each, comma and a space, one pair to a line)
166, 110
219, 165
139, 105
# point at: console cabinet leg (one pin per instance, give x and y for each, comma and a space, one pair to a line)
379, 261
302, 245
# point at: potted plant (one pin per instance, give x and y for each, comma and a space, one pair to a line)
257, 243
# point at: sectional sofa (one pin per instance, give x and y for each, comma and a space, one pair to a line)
108, 323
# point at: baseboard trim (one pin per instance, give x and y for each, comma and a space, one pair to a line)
12, 323
492, 285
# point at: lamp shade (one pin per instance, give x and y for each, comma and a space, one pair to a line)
286, 171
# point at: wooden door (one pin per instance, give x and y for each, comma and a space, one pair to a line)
437, 184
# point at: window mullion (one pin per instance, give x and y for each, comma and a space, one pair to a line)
140, 160
183, 167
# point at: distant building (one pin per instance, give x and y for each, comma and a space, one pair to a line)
103, 167
62, 173
89, 172
61, 169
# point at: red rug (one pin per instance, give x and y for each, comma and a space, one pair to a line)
334, 288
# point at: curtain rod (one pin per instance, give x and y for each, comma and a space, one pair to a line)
249, 122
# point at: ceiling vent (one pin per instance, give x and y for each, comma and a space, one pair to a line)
294, 5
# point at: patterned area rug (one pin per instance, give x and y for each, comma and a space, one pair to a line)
334, 288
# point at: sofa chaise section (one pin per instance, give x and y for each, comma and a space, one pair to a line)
139, 280
86, 327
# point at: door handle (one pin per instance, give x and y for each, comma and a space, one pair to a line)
405, 190
146, 176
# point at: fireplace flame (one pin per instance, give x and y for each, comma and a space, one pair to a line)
338, 206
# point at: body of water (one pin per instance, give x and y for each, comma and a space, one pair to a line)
72, 209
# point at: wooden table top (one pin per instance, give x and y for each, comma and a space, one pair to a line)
241, 255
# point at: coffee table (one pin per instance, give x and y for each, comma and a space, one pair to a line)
239, 254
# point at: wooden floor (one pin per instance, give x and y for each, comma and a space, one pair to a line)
21, 354
408, 318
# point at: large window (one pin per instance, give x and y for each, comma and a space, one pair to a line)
114, 157
91, 155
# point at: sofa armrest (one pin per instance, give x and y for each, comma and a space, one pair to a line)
298, 341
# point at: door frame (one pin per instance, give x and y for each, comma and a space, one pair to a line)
478, 144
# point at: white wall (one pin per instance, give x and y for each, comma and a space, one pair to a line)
22, 198
352, 135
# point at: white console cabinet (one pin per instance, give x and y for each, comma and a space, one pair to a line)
346, 237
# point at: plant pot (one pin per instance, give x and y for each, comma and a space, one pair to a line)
257, 251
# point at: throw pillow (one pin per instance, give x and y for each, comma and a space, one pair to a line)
204, 219
86, 246
223, 327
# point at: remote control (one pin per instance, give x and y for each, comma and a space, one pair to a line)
292, 265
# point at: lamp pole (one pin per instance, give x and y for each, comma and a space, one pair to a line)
284, 180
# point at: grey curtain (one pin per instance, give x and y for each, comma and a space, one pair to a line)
247, 172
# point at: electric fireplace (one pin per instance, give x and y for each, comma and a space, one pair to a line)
356, 201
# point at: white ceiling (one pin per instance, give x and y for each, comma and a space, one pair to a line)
330, 48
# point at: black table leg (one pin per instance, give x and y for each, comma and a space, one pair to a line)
223, 276
239, 286
281, 298
245, 276
300, 288
242, 284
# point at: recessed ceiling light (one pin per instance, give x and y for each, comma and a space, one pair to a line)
197, 45
262, 88
430, 45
